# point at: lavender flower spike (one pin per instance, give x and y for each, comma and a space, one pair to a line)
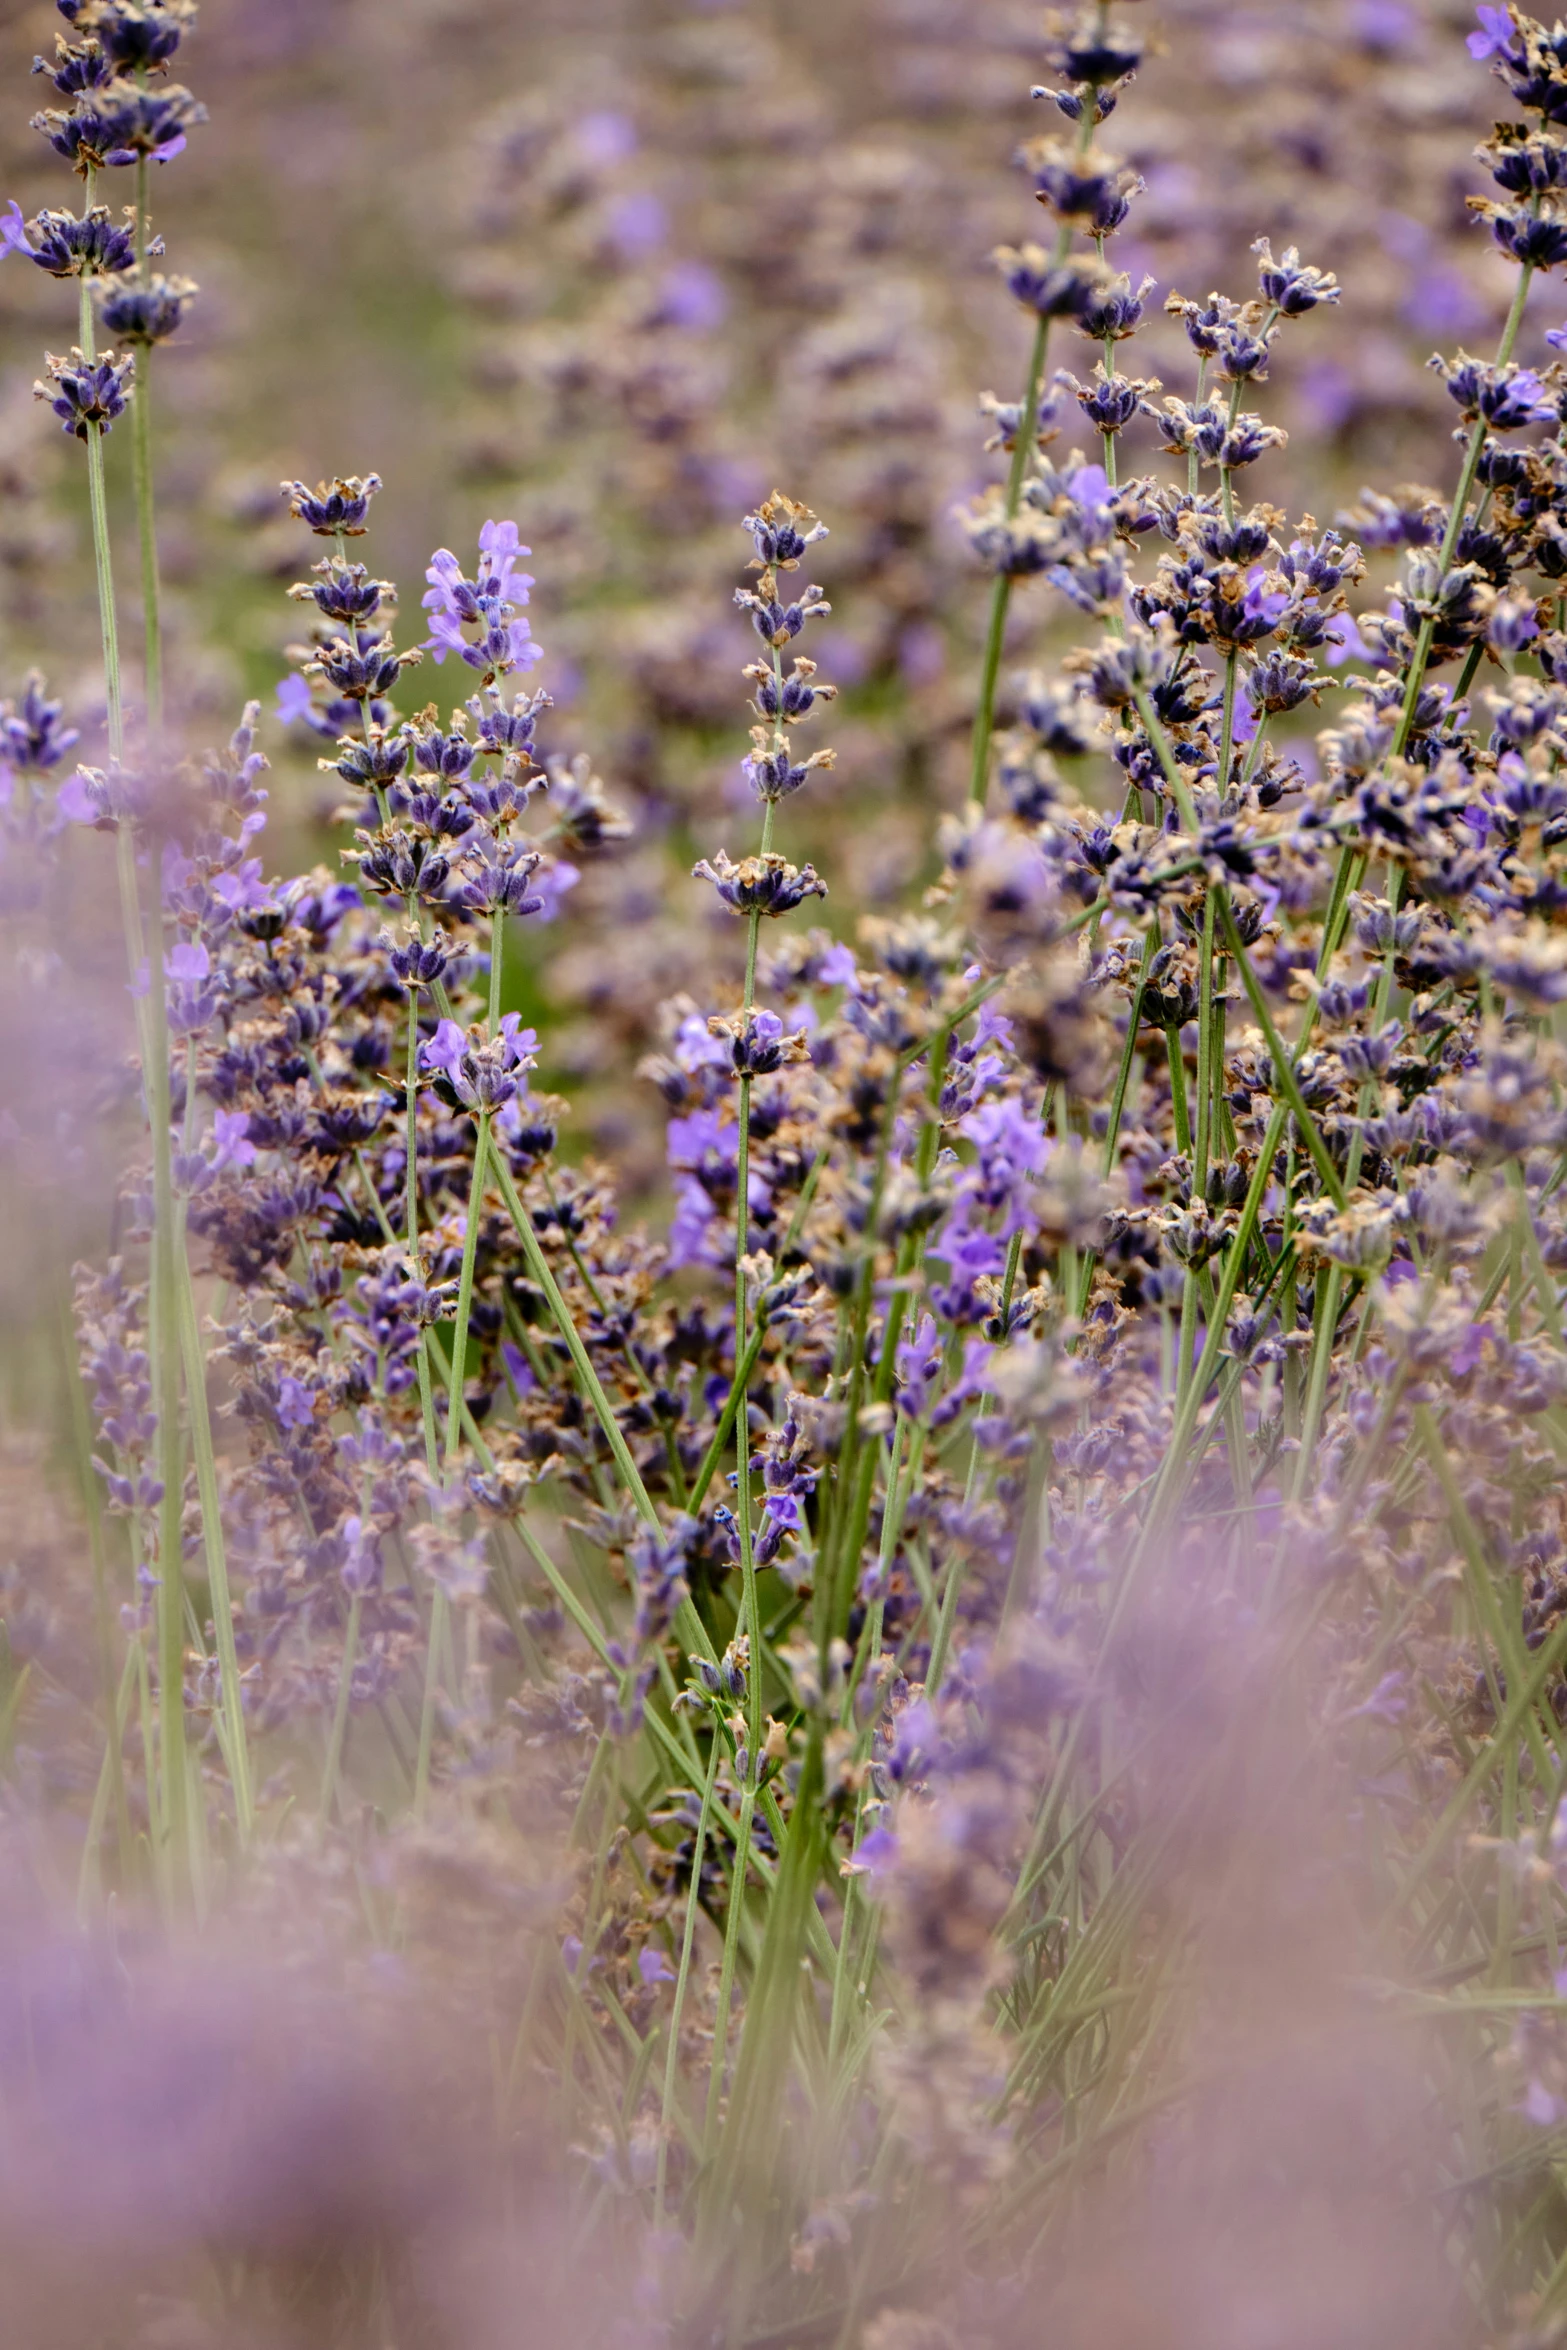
490, 602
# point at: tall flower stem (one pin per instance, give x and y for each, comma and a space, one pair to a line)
164, 1308
1202, 1141
751, 1606
682, 1978
726, 1970
857, 1472
178, 1327
470, 1244
718, 1443
113, 1782
345, 1684
166, 1289
454, 1398
750, 1601
1456, 520
1017, 475
540, 1270
1001, 591
231, 1694
689, 1626
1202, 1137
102, 562
411, 1228
141, 467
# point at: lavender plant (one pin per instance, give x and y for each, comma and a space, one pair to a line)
1093, 1417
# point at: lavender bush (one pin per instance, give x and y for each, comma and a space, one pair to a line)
955, 1729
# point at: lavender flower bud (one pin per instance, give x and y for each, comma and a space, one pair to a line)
331, 507
361, 666
781, 530
91, 246
1094, 52
399, 864
418, 962
1051, 288
148, 313
87, 394
136, 35
760, 885
1288, 285
582, 816
372, 765
499, 878
1524, 162
77, 66
119, 123
771, 769
1111, 401
31, 736
1534, 240
344, 591
1115, 311
1075, 189
1508, 398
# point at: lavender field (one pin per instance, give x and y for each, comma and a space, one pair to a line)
784, 1461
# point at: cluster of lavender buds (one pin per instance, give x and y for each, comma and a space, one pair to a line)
841, 1638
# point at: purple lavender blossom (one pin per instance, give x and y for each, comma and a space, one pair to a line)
1497, 32
489, 602
1012, 1148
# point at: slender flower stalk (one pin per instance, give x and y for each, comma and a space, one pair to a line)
165, 1278
1026, 434
142, 468
682, 1979
1458, 514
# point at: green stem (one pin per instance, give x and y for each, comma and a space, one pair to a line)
345, 1683
726, 1971
152, 1023
592, 1386
1203, 1139
166, 1287
432, 1683
103, 565
111, 1782
1227, 729
470, 1246
1279, 1054
857, 1469
749, 1598
1123, 1075
1194, 462
1178, 1106
151, 597
411, 1230
1456, 520
454, 1404
1283, 1064
682, 1977
231, 1692
497, 968
1001, 591
114, 1774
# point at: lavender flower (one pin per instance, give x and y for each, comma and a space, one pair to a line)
333, 507
489, 602
87, 394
